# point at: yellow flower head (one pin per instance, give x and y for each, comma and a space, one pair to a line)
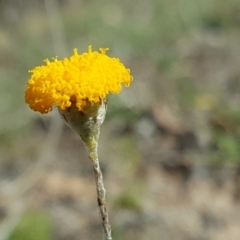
82, 78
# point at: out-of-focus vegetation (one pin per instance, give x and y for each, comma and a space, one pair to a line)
176, 126
33, 225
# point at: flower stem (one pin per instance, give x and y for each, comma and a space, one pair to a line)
92, 145
87, 124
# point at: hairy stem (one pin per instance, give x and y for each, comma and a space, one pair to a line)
87, 124
101, 192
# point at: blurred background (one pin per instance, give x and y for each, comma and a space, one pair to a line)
170, 145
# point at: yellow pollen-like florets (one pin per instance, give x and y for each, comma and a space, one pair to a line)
82, 77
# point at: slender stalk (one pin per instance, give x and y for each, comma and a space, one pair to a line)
101, 192
87, 124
